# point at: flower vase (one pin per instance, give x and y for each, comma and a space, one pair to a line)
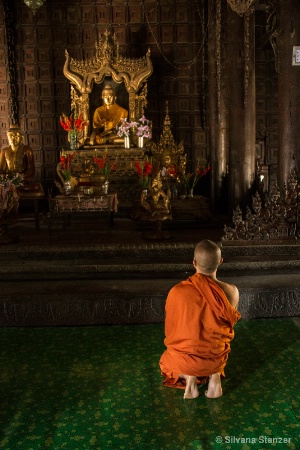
105, 187
191, 193
126, 142
67, 187
140, 141
74, 144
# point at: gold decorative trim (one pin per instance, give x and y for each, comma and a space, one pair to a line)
107, 62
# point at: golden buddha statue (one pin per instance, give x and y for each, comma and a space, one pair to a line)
106, 118
18, 158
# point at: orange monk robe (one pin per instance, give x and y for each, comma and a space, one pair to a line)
198, 328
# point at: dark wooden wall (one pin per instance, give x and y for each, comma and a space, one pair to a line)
176, 33
172, 30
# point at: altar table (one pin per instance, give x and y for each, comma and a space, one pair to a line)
81, 218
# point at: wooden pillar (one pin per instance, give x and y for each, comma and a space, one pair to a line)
217, 113
288, 35
241, 108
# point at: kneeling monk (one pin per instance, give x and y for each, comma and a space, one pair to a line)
200, 315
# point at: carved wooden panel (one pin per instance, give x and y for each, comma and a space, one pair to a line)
32, 123
34, 141
32, 90
166, 13
102, 13
185, 121
150, 11
120, 33
47, 107
50, 157
29, 55
182, 33
87, 14
3, 74
37, 157
3, 108
46, 89
167, 34
184, 104
134, 14
31, 106
184, 87
49, 140
43, 36
48, 124
118, 14
57, 15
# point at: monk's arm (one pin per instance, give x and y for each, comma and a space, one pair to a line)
231, 292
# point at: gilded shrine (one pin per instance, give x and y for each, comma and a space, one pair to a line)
121, 83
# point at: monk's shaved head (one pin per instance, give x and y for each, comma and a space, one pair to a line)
207, 255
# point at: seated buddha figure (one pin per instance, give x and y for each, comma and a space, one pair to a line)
106, 118
18, 158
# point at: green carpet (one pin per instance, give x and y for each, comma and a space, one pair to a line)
100, 388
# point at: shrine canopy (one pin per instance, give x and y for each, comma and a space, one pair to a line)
127, 76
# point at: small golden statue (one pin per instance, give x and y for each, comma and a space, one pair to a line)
18, 158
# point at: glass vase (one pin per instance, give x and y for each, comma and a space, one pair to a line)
140, 141
74, 144
191, 193
126, 142
67, 187
105, 187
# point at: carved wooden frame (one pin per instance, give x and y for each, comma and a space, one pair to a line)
107, 62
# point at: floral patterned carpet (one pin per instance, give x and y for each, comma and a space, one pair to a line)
100, 388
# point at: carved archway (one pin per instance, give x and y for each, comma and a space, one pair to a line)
107, 62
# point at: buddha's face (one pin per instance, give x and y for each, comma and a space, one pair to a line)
108, 97
14, 138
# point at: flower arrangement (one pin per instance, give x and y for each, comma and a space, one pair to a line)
8, 192
65, 162
191, 179
104, 165
73, 126
124, 129
143, 128
11, 179
199, 173
144, 173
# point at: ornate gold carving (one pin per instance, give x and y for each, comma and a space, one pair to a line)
275, 217
167, 151
107, 62
240, 6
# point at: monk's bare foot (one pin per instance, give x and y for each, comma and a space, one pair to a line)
191, 388
214, 386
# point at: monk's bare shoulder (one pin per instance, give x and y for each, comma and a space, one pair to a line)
231, 292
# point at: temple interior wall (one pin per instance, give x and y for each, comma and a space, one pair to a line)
176, 33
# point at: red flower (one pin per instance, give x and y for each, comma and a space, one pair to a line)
66, 160
104, 165
71, 124
143, 172
138, 168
